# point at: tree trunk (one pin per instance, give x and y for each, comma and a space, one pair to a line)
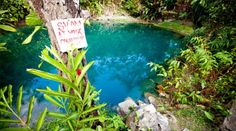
49, 10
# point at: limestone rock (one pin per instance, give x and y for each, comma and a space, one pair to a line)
146, 117
230, 121
124, 107
85, 14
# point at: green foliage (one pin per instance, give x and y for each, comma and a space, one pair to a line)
10, 116
33, 19
2, 47
132, 6
30, 37
94, 6
16, 10
217, 12
77, 102
204, 73
3, 24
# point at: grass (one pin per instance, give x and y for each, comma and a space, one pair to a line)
176, 26
194, 120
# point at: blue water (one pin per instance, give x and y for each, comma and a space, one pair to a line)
120, 51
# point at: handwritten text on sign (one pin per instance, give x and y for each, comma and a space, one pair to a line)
69, 33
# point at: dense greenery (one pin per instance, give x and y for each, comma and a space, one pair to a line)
16, 10
204, 74
78, 103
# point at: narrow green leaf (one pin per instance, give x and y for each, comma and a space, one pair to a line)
15, 129
46, 57
19, 99
30, 109
5, 111
2, 104
72, 116
53, 101
209, 115
3, 11
70, 125
78, 58
93, 109
92, 119
56, 97
56, 115
9, 121
7, 28
56, 128
2, 48
10, 96
29, 38
41, 119
50, 76
54, 93
87, 129
55, 54
83, 72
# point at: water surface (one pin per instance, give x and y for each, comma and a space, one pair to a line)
120, 51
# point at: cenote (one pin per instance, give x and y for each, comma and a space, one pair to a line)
120, 51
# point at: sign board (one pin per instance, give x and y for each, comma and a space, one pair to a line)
69, 33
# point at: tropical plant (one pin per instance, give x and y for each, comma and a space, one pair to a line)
10, 115
79, 100
3, 23
204, 73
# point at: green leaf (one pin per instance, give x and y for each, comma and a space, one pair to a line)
5, 111
93, 109
9, 121
30, 109
46, 57
72, 116
51, 76
92, 119
55, 93
3, 11
56, 128
10, 96
41, 119
29, 38
7, 28
2, 104
15, 129
83, 72
53, 101
209, 115
87, 129
78, 58
56, 115
19, 99
2, 48
32, 19
70, 125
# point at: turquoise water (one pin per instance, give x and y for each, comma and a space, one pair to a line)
120, 51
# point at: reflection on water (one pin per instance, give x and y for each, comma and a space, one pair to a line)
120, 51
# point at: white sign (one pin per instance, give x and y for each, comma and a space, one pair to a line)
69, 33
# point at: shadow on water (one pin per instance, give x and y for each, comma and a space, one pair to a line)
120, 51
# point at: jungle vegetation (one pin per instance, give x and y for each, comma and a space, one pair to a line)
203, 74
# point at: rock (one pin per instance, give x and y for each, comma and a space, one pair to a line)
146, 117
85, 14
125, 107
229, 123
140, 103
185, 129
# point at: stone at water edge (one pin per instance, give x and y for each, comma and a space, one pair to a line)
146, 117
124, 107
230, 121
